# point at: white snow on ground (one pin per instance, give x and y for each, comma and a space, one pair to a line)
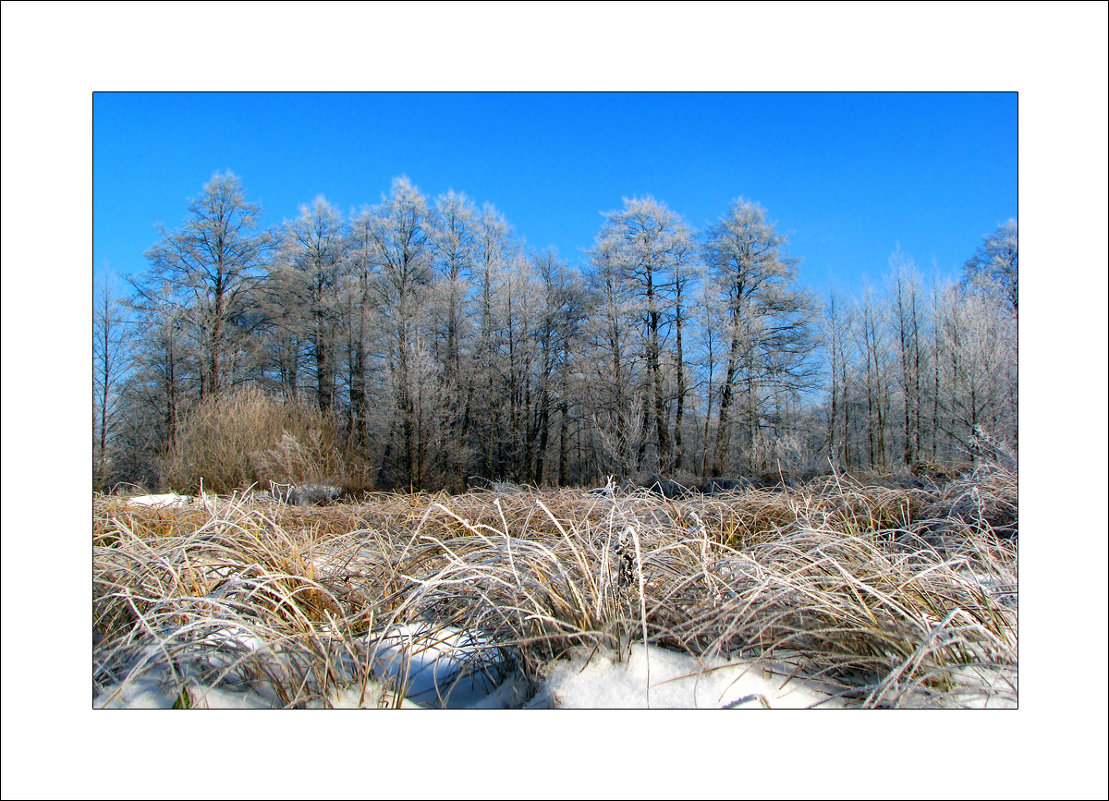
1002, 686
143, 692
375, 695
171, 500
662, 679
150, 692
167, 500
151, 685
153, 690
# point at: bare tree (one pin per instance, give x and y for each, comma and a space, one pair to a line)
835, 325
211, 268
994, 266
398, 233
871, 336
562, 311
164, 379
110, 363
497, 252
307, 277
363, 324
453, 248
612, 364
765, 316
709, 345
648, 247
907, 313
979, 339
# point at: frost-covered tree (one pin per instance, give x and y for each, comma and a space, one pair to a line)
398, 236
977, 368
497, 254
561, 314
835, 324
994, 266
648, 248
766, 320
210, 270
612, 365
163, 381
362, 326
453, 248
908, 321
872, 333
110, 364
307, 278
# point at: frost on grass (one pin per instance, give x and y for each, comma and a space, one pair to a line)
829, 595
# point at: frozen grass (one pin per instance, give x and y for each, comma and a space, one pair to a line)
881, 597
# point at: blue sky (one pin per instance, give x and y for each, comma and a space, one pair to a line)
849, 176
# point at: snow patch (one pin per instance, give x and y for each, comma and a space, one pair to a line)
167, 500
661, 679
171, 500
154, 690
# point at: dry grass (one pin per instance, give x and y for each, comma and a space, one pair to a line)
245, 436
898, 598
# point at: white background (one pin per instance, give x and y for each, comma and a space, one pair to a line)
55, 55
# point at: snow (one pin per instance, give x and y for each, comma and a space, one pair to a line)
1001, 693
142, 692
172, 500
151, 685
658, 678
167, 500
375, 695
153, 691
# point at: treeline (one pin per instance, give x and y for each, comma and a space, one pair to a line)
439, 349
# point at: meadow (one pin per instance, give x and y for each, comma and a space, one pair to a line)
852, 590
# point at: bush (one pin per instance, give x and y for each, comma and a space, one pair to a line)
245, 436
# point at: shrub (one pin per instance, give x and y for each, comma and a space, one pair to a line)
245, 436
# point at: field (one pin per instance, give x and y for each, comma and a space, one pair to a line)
843, 592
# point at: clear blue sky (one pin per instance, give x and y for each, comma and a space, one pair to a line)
849, 176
